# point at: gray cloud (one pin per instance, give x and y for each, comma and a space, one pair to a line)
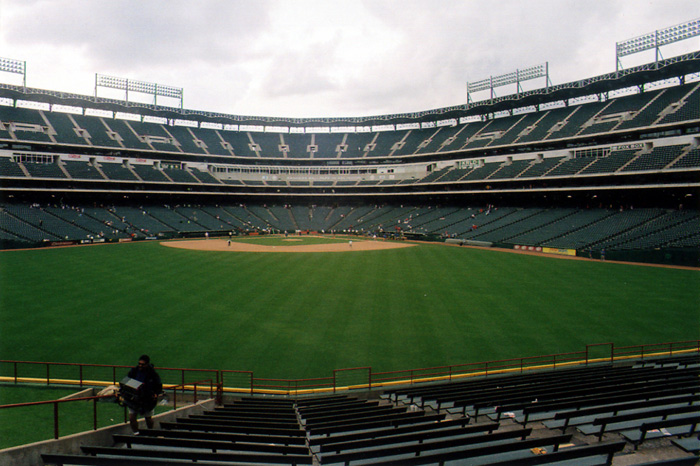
324, 58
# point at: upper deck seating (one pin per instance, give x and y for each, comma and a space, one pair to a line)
540, 168
356, 145
688, 110
129, 137
204, 176
569, 167
514, 132
270, 144
65, 129
240, 143
9, 168
117, 171
461, 138
573, 124
44, 169
328, 145
647, 115
298, 145
691, 159
437, 139
617, 111
483, 172
414, 140
185, 139
490, 135
98, 133
179, 175
610, 164
150, 173
81, 170
511, 170
26, 123
211, 140
386, 141
657, 159
545, 125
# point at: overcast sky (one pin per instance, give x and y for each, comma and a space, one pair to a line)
318, 58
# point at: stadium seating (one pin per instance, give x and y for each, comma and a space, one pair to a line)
660, 157
150, 173
584, 415
8, 168
44, 169
65, 129
82, 170
688, 108
580, 229
610, 164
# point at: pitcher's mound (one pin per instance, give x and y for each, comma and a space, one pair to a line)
236, 246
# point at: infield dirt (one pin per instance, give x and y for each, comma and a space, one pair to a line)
236, 246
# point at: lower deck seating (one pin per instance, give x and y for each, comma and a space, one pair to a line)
404, 427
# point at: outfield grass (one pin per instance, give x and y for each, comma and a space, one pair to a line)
303, 315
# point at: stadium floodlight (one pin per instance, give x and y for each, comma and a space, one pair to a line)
655, 40
514, 77
10, 65
141, 87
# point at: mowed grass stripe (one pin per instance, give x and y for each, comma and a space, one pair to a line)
303, 315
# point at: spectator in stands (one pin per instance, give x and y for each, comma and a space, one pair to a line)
152, 387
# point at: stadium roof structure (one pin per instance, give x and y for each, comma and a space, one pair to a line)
675, 67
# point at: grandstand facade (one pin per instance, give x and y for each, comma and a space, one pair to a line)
607, 163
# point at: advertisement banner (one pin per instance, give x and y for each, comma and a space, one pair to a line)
565, 252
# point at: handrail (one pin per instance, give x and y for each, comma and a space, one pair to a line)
192, 386
248, 383
56, 403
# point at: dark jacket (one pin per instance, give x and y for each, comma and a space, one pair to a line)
151, 384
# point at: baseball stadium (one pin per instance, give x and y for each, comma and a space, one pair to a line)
509, 281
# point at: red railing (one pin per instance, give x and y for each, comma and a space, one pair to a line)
56, 403
360, 377
215, 390
97, 374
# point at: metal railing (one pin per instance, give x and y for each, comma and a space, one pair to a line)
215, 390
56, 404
245, 382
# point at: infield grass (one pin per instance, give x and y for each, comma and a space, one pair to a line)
303, 315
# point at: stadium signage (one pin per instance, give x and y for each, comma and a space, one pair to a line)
563, 252
628, 146
61, 243
469, 164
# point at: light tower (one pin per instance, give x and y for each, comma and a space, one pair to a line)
141, 87
515, 77
10, 65
655, 40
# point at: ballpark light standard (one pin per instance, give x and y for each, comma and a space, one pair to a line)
655, 40
10, 65
141, 87
515, 77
